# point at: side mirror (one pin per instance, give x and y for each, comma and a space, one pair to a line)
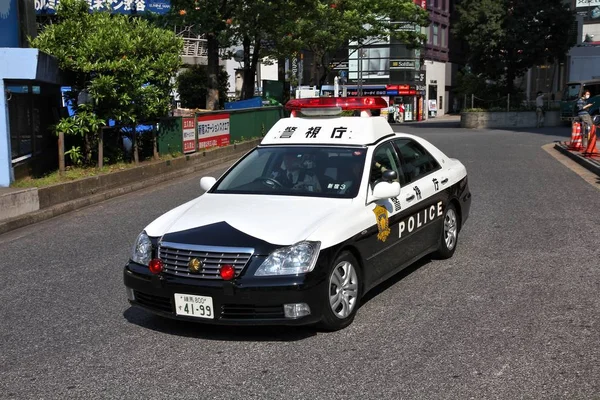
207, 182
385, 190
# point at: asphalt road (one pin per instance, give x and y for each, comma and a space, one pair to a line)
514, 314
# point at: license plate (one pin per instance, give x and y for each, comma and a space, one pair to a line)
194, 306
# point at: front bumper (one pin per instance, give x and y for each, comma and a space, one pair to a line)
242, 301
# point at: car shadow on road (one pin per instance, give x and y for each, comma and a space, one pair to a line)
382, 287
169, 326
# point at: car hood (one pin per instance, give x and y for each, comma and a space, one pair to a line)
279, 220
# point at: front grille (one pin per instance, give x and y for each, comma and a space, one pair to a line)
238, 311
155, 302
176, 258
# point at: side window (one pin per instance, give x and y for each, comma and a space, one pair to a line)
594, 89
384, 158
416, 161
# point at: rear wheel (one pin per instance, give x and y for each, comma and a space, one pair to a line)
343, 293
449, 238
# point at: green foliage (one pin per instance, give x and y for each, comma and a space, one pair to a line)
75, 155
279, 28
83, 123
192, 86
125, 63
325, 26
504, 38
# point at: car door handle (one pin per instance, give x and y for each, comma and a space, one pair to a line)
410, 198
444, 181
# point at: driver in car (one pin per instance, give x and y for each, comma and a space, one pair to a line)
297, 174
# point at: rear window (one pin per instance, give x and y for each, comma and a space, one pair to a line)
571, 92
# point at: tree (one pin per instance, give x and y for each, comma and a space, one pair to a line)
504, 38
192, 88
124, 64
253, 25
210, 19
326, 26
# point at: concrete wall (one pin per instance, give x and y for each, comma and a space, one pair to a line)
15, 202
516, 119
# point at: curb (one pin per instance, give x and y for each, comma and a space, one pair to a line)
62, 208
592, 165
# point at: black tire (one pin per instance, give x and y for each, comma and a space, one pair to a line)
449, 234
338, 315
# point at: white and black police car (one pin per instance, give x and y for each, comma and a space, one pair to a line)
301, 227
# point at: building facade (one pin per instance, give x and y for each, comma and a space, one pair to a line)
30, 100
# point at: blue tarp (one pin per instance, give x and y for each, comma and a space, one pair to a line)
250, 103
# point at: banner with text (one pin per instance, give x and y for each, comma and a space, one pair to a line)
116, 6
213, 130
189, 135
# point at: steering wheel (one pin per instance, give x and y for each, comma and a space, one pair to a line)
271, 182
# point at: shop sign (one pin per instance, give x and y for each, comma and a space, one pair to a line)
402, 64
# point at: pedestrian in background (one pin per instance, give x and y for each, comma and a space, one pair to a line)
584, 114
539, 109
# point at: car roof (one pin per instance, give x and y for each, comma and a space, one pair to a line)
328, 130
584, 82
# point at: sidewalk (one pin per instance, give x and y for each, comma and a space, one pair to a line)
590, 163
20, 207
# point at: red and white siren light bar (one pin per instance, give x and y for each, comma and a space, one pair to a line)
320, 105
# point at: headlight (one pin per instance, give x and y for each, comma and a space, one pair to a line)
142, 249
293, 260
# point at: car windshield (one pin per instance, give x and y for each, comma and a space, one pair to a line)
297, 171
571, 92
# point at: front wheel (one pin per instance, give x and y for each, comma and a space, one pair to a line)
449, 238
343, 293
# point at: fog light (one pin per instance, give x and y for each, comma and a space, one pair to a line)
227, 272
155, 266
296, 310
130, 295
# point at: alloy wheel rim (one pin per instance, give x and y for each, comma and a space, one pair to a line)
450, 229
343, 289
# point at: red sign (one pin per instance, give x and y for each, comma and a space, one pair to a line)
421, 3
213, 130
189, 135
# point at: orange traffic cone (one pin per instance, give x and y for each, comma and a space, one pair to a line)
591, 150
576, 138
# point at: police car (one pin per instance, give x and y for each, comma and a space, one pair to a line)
301, 227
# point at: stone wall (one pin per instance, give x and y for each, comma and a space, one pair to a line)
513, 119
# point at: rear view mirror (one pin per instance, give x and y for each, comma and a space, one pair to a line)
207, 182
